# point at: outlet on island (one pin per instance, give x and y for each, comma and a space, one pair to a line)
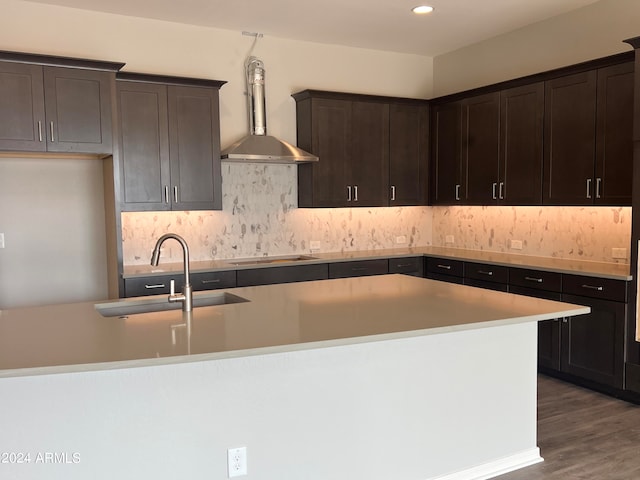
1, 240
237, 461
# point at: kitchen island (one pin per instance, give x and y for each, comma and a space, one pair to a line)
373, 377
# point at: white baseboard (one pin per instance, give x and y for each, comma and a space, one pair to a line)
496, 467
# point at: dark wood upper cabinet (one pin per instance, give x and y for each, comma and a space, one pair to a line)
144, 144
55, 109
169, 143
521, 130
614, 135
369, 168
21, 107
194, 141
78, 110
569, 149
480, 147
446, 154
369, 147
408, 154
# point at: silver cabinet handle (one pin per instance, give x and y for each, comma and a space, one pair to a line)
446, 267
403, 265
39, 131
355, 193
588, 188
598, 182
393, 192
485, 272
206, 282
533, 279
501, 191
166, 194
358, 269
348, 193
458, 191
599, 288
51, 131
493, 189
175, 194
157, 285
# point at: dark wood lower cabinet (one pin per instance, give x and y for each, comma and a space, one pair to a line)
284, 274
358, 268
593, 344
409, 266
160, 284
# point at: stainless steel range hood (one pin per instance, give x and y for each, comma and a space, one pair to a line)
258, 146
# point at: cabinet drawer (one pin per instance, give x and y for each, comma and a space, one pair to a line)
358, 268
486, 272
413, 265
445, 278
213, 280
605, 288
488, 284
152, 285
445, 266
549, 281
286, 274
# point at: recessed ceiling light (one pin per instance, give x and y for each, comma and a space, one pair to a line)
422, 9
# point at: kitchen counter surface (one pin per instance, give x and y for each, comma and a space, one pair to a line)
617, 271
276, 318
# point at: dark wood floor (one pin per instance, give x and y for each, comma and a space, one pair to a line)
583, 435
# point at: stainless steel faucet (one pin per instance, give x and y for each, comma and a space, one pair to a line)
187, 291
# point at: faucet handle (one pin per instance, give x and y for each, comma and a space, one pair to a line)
172, 287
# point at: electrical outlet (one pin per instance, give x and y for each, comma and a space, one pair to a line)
619, 252
237, 461
401, 239
449, 239
314, 245
1, 240
516, 244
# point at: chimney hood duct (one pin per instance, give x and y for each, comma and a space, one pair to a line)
258, 146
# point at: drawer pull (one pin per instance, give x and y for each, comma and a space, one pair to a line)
533, 279
484, 272
215, 280
593, 287
358, 269
446, 267
402, 265
158, 285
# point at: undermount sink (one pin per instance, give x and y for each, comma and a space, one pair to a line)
159, 303
262, 261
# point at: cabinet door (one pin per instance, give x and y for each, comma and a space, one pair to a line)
480, 143
548, 330
408, 154
144, 146
521, 127
21, 107
569, 150
358, 268
284, 274
78, 110
446, 155
614, 135
369, 167
593, 344
194, 151
331, 142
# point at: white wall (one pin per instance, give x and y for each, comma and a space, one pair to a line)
594, 31
52, 215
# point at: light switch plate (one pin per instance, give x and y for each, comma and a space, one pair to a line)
1, 240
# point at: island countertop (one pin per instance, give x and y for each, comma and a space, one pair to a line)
275, 318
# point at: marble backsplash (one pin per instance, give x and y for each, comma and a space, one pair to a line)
260, 217
584, 233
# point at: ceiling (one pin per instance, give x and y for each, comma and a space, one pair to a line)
374, 24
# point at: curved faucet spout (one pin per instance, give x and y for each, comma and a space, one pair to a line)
187, 292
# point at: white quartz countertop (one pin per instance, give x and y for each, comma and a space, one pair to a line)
617, 271
276, 318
